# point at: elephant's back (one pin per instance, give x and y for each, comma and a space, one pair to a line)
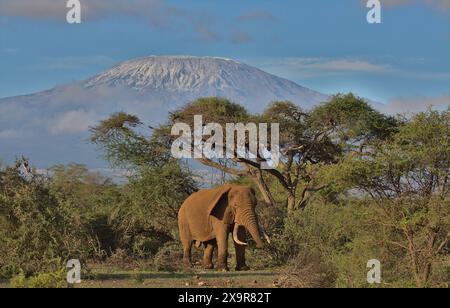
194, 213
198, 200
189, 204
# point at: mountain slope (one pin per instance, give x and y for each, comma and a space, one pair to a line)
196, 77
52, 126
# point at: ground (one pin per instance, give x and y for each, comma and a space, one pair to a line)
210, 279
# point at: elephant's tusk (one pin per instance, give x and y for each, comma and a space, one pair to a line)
266, 237
235, 236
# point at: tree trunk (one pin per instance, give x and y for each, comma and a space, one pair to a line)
263, 188
291, 203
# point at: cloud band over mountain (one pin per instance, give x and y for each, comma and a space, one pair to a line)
56, 9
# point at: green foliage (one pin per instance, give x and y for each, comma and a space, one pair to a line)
213, 110
86, 198
369, 186
118, 137
50, 280
138, 277
33, 227
353, 119
402, 183
301, 135
19, 281
78, 214
338, 240
53, 280
145, 215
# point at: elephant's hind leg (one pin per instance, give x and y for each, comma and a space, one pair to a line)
208, 255
186, 240
187, 255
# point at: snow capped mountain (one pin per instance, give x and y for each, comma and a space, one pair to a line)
172, 74
204, 76
52, 126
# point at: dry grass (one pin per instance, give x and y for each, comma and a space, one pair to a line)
107, 278
306, 271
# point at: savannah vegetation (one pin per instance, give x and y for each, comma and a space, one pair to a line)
353, 185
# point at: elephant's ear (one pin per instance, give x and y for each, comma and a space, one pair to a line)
219, 206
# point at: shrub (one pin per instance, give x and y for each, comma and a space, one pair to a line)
169, 258
329, 239
19, 281
48, 280
307, 270
33, 228
121, 259
8, 271
138, 277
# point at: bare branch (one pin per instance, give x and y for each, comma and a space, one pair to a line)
228, 170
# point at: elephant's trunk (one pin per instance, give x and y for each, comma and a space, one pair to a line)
254, 232
250, 222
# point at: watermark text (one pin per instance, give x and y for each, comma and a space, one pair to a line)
211, 141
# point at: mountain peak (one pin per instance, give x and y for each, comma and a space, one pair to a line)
203, 76
170, 73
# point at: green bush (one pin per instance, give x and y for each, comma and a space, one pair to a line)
336, 238
33, 228
8, 271
19, 281
48, 280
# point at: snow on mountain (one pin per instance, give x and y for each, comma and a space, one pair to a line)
52, 126
204, 76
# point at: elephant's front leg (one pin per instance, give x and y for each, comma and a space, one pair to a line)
240, 252
222, 246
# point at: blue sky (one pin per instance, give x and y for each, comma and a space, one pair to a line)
322, 44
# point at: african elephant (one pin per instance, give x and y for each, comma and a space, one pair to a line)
208, 217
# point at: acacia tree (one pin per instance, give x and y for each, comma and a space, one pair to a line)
124, 146
157, 182
307, 139
407, 179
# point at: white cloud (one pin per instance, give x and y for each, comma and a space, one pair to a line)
423, 75
342, 65
27, 8
73, 122
305, 68
320, 67
415, 104
156, 10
